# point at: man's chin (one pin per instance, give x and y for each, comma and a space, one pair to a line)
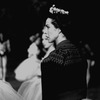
50, 41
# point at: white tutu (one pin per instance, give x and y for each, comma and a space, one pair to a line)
0, 73
8, 93
31, 89
27, 69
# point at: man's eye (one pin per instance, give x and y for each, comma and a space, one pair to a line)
47, 26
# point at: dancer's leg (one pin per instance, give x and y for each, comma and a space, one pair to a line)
4, 63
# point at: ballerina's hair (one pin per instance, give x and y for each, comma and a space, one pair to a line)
60, 17
54, 9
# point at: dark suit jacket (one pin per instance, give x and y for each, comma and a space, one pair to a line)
64, 73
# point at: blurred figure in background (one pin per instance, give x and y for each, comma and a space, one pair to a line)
89, 55
4, 49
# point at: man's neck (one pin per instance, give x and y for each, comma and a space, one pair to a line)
60, 38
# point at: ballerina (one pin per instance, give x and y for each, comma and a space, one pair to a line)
4, 50
30, 89
27, 68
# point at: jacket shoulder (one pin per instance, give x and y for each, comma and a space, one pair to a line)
64, 55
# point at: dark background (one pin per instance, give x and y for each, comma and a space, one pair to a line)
20, 19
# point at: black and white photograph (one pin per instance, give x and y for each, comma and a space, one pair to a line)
48, 50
